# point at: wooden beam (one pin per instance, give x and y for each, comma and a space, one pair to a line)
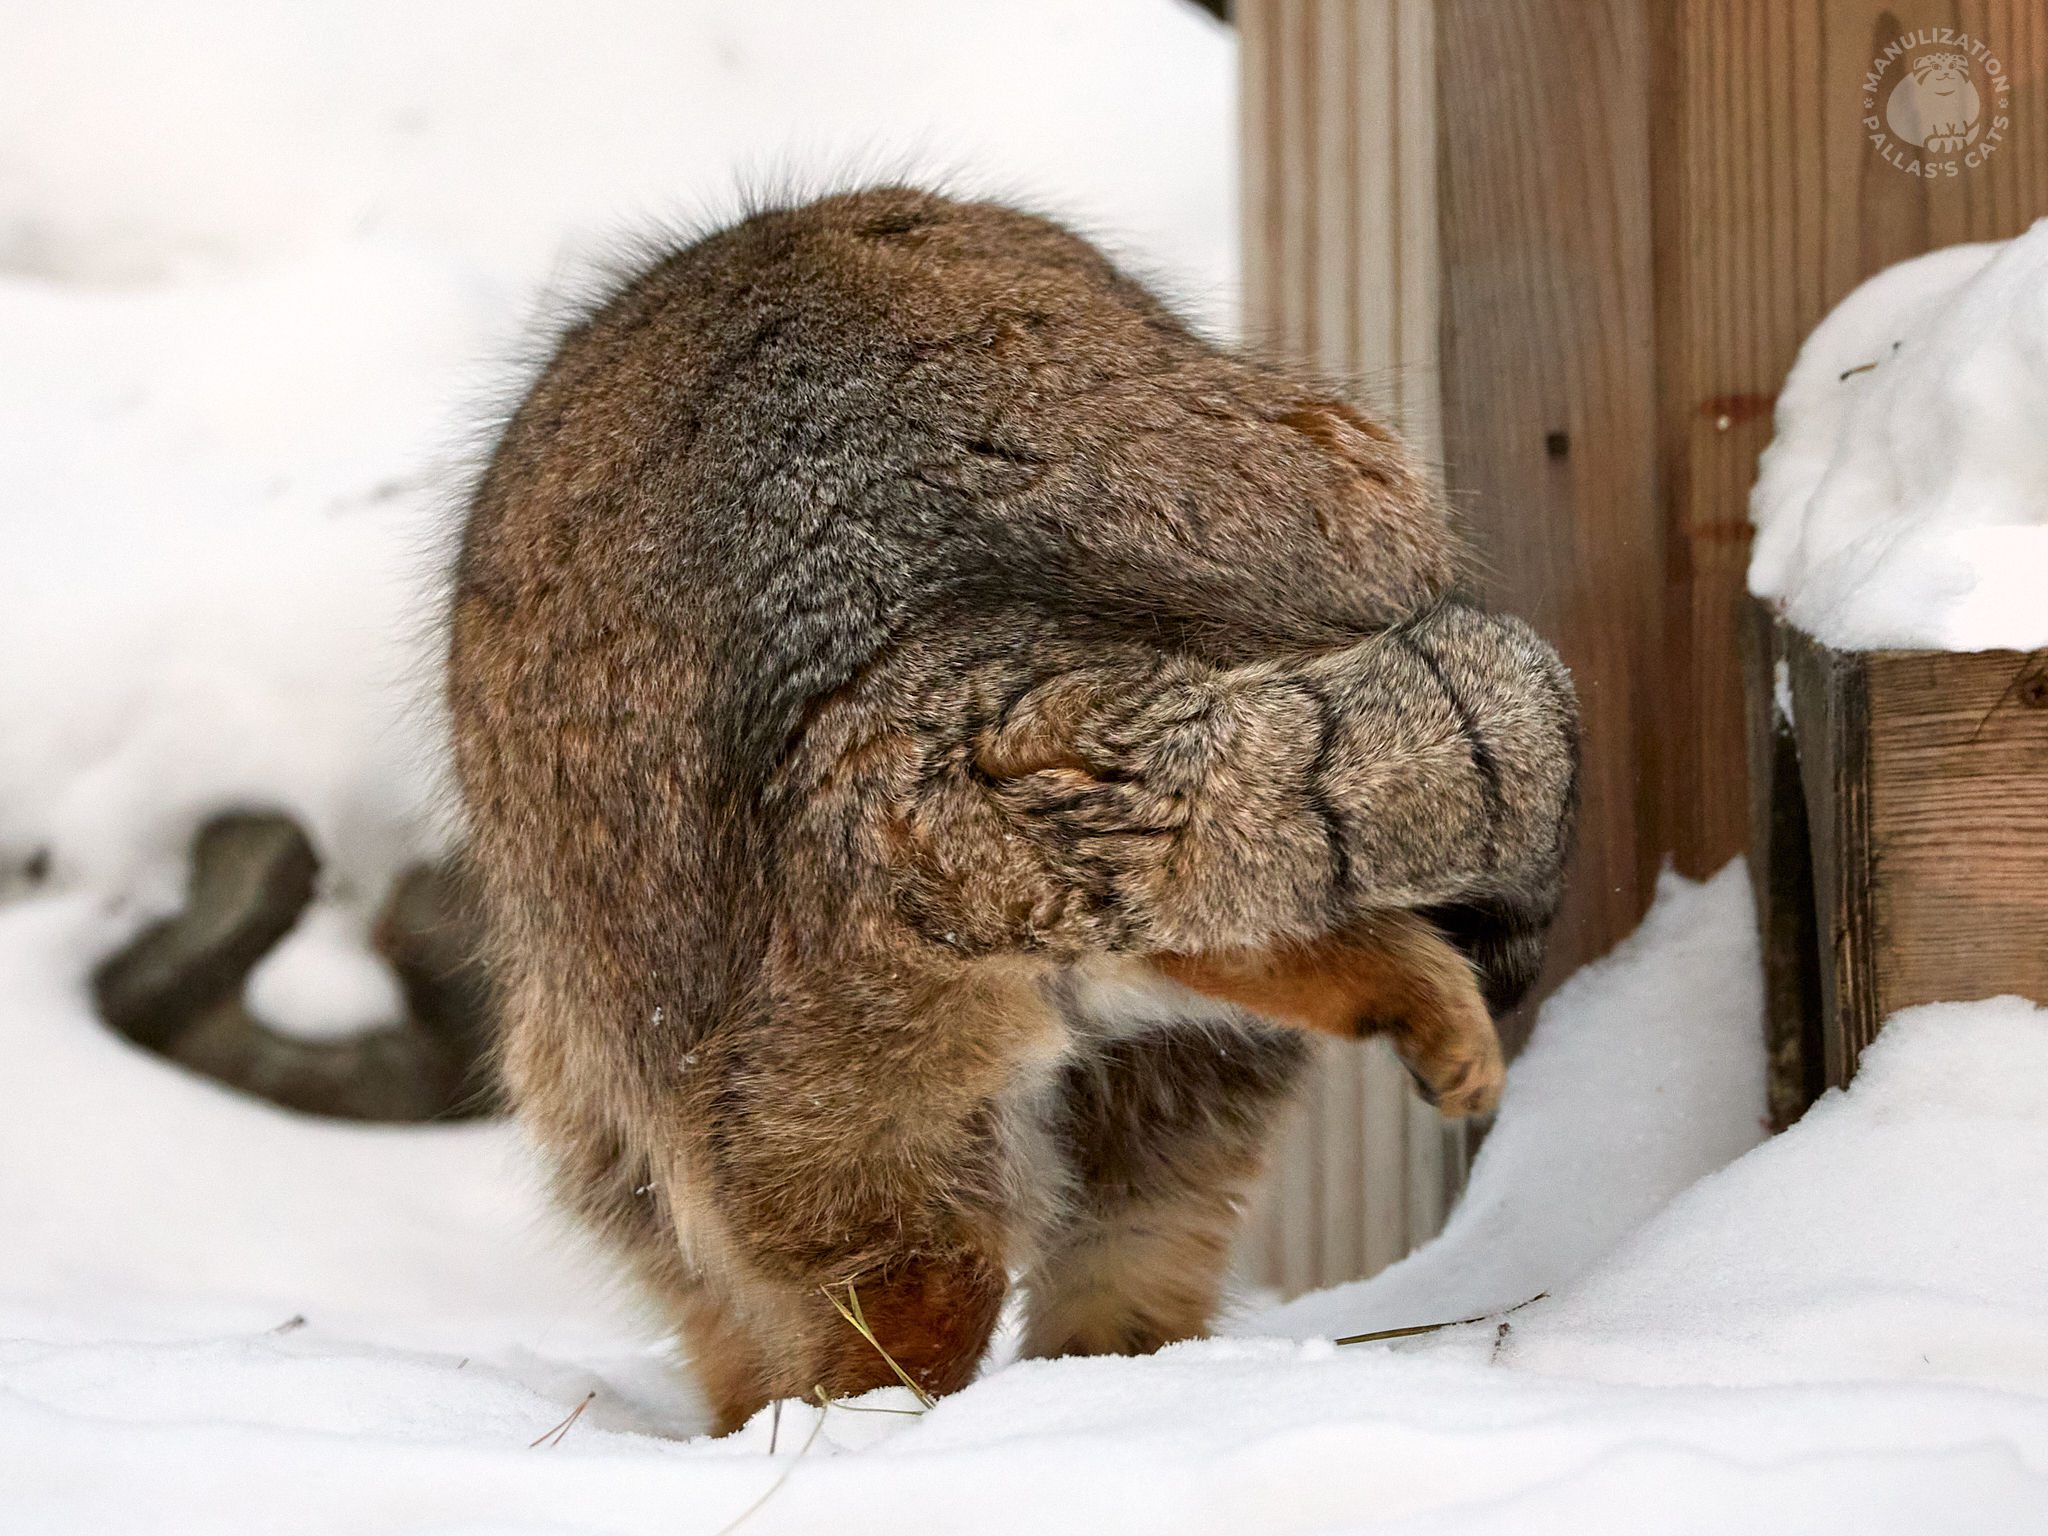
1831, 723
1548, 383
1959, 838
1340, 257
1781, 874
1924, 773
1603, 227
1598, 255
1770, 205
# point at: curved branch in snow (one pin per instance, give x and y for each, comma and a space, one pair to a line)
177, 988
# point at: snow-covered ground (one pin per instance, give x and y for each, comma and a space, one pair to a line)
1903, 502
255, 263
1841, 1329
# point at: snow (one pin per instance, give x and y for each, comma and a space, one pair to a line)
1630, 1089
1836, 1330
256, 262
324, 978
1905, 1224
1903, 502
145, 142
246, 1215
225, 493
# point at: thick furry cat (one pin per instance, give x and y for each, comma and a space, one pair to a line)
896, 667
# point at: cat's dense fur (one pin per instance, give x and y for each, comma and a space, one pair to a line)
892, 657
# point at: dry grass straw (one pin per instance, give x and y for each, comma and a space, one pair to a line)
553, 1437
856, 1319
860, 1326
776, 1487
1404, 1333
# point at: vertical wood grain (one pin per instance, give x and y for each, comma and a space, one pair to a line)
1548, 389
1831, 722
1572, 247
1258, 188
1339, 189
1771, 206
1781, 875
1599, 252
1413, 251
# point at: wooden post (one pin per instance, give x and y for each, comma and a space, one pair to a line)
1769, 204
1340, 254
1647, 206
1831, 724
1549, 384
1640, 210
1922, 776
1781, 874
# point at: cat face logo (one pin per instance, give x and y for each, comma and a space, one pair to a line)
1936, 108
1945, 96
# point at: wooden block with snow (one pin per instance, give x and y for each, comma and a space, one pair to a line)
1900, 798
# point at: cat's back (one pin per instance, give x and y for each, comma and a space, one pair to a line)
828, 436
821, 419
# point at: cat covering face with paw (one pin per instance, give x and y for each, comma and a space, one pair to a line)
933, 730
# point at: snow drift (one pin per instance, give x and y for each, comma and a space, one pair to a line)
1903, 502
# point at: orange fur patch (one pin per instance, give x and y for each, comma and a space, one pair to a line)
1393, 974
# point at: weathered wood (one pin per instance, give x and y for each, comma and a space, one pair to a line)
1831, 722
1598, 253
1340, 260
1548, 388
1781, 874
1339, 196
1958, 826
1924, 777
1642, 207
1771, 204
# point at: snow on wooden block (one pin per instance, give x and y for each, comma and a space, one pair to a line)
1923, 779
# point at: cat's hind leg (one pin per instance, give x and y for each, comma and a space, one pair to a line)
1165, 1135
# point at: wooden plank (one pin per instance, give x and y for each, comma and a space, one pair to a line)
1412, 252
1781, 875
1340, 241
1924, 774
1622, 292
1364, 163
1388, 1103
1340, 1158
1339, 194
1831, 722
1958, 834
1287, 1246
1548, 383
1258, 183
1771, 205
1292, 324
